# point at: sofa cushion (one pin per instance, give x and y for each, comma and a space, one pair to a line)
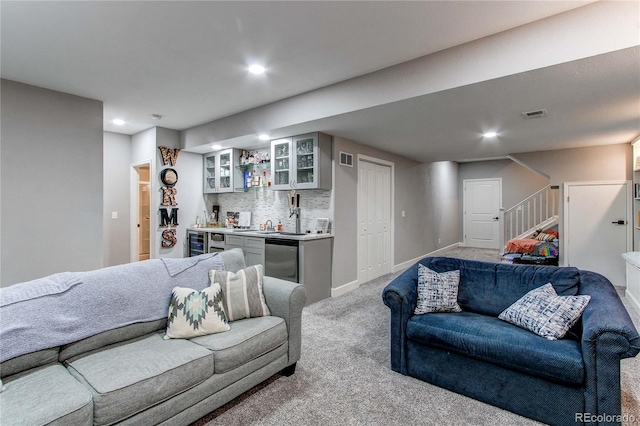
521, 279
248, 339
129, 377
29, 361
545, 313
437, 292
489, 288
120, 334
196, 313
477, 283
242, 292
27, 398
489, 339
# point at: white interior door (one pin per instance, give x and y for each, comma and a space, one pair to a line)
481, 205
374, 220
598, 227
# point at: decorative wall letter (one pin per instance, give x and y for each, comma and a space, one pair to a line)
169, 238
169, 196
169, 155
169, 220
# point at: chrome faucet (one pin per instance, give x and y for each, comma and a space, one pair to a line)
269, 225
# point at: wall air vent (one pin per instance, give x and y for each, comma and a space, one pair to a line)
535, 114
346, 159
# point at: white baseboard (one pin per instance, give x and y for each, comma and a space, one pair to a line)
404, 265
632, 300
344, 288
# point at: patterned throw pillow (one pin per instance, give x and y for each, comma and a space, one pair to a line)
545, 313
437, 292
195, 313
242, 292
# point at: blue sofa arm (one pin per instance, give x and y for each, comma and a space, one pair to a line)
401, 295
608, 335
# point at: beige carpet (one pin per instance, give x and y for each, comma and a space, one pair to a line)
344, 376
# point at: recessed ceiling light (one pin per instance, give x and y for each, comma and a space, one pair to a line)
263, 137
119, 122
256, 69
216, 146
490, 135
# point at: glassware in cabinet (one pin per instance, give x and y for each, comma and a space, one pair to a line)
219, 171
280, 163
302, 162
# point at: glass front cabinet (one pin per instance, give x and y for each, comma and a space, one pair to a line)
219, 171
301, 162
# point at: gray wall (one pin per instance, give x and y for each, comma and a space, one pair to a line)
606, 162
117, 160
51, 185
518, 182
426, 192
441, 198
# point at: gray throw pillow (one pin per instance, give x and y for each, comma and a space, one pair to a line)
545, 313
437, 292
242, 292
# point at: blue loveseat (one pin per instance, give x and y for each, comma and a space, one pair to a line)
478, 355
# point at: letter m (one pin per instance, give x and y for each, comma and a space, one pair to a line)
168, 220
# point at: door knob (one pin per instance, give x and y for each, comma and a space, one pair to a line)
496, 218
619, 222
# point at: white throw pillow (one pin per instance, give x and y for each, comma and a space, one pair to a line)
437, 292
545, 313
196, 313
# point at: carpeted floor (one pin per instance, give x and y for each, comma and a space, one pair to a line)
344, 378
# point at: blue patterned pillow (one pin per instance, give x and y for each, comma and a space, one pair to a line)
196, 313
545, 313
437, 292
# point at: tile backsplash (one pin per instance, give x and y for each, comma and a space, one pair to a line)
265, 204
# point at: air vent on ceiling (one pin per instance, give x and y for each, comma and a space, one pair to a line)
535, 114
346, 159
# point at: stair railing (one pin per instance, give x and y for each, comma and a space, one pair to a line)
536, 211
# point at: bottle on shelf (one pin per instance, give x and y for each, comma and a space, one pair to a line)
242, 158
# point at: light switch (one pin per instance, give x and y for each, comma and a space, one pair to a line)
403, 214
114, 215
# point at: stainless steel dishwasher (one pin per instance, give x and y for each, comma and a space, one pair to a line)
281, 259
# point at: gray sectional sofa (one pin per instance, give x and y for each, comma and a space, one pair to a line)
128, 374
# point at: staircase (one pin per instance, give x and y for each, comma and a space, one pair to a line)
538, 211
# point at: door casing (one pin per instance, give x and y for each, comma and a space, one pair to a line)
489, 224
134, 211
388, 246
568, 254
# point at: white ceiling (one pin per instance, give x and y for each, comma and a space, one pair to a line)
187, 62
